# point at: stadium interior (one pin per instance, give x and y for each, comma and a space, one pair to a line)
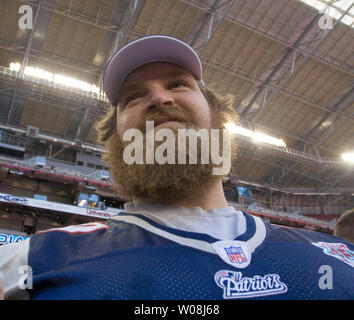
289, 64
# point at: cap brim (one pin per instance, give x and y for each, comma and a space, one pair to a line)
156, 48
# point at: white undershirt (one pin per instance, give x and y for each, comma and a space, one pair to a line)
223, 224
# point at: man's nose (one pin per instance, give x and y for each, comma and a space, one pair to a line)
160, 97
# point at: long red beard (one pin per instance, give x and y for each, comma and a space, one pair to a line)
161, 183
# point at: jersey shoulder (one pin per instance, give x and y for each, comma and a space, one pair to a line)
298, 235
311, 244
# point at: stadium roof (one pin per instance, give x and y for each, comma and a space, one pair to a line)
289, 63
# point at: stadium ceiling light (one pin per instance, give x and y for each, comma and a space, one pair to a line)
256, 136
335, 9
15, 66
261, 137
348, 156
55, 78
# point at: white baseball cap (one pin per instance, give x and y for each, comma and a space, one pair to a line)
148, 49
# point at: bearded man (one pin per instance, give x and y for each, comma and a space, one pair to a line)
172, 98
177, 237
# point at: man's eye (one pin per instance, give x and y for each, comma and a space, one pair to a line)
130, 98
177, 84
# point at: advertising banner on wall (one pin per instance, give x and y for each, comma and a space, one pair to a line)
59, 207
6, 238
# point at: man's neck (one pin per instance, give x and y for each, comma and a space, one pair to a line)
212, 197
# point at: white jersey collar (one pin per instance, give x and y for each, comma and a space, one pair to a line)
253, 236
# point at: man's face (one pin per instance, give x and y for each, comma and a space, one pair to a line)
171, 97
162, 92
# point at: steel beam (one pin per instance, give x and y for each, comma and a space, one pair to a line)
11, 105
76, 15
340, 104
58, 152
131, 15
71, 102
29, 42
81, 124
288, 55
303, 61
342, 177
252, 156
271, 174
49, 57
340, 198
233, 20
199, 42
25, 59
331, 132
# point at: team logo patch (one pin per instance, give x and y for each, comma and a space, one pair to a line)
337, 250
235, 286
234, 253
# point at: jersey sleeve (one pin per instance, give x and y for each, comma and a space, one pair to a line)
14, 269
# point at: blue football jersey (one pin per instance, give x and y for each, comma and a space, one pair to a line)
132, 257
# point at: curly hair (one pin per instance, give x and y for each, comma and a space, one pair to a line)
344, 227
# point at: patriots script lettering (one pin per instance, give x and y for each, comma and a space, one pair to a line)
256, 284
236, 286
141, 310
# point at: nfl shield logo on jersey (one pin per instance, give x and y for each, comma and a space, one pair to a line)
235, 254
